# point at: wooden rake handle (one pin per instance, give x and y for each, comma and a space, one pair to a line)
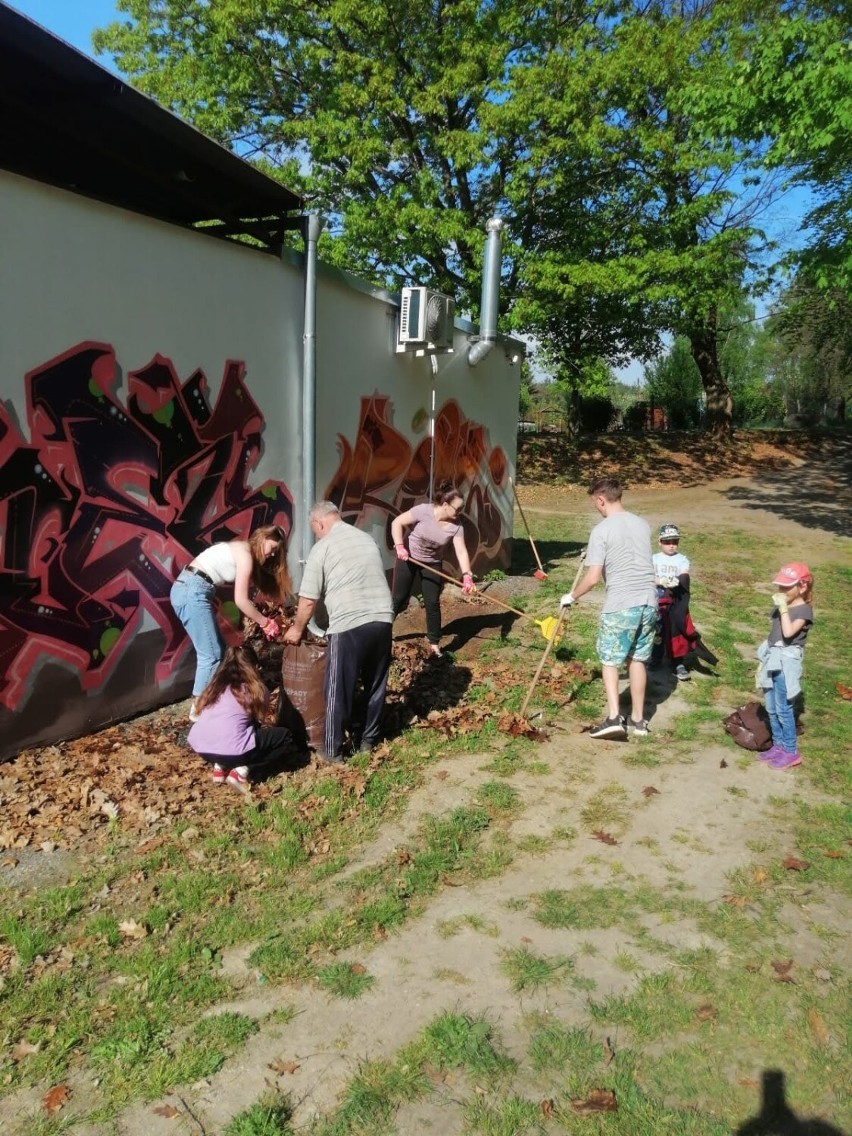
527, 527
563, 612
485, 595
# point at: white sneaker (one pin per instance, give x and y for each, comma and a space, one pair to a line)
193, 713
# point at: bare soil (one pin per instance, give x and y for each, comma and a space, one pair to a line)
802, 492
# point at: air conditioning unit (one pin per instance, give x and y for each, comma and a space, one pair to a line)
426, 319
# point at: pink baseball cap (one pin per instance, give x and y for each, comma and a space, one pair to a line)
794, 573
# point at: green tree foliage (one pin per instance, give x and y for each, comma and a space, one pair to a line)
673, 384
791, 89
666, 211
812, 352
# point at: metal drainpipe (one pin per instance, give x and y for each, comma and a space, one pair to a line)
312, 226
491, 269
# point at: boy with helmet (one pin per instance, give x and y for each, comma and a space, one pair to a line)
671, 570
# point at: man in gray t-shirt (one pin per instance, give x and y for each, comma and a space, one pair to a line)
619, 553
344, 569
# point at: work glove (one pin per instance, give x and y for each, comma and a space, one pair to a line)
566, 600
401, 552
468, 585
270, 629
780, 601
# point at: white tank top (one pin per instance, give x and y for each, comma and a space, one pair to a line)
218, 562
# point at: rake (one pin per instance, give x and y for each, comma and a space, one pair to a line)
557, 635
547, 626
539, 573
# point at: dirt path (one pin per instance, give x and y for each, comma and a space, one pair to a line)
450, 957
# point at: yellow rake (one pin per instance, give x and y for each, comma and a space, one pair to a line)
557, 635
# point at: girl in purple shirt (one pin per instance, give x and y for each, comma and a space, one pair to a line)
227, 733
432, 527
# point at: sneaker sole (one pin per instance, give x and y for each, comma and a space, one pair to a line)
609, 732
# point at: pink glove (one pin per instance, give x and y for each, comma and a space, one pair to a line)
401, 552
270, 629
468, 585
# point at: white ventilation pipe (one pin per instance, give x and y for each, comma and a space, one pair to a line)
492, 266
312, 226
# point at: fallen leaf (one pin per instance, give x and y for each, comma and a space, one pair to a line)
280, 1067
167, 1110
526, 939
833, 855
752, 967
598, 1100
723, 764
604, 837
55, 1098
818, 1027
794, 864
844, 691
650, 791
706, 1013
735, 900
760, 876
22, 1049
546, 1107
132, 930
358, 968
782, 968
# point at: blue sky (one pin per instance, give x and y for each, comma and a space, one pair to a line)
72, 20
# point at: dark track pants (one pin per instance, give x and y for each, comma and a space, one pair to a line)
272, 745
365, 653
408, 578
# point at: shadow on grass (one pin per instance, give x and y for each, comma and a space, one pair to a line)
818, 497
553, 554
776, 1118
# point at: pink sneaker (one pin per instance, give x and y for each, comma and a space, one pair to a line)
238, 777
770, 754
786, 760
218, 774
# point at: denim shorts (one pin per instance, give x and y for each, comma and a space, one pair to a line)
627, 634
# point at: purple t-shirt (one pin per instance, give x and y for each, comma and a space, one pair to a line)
223, 728
428, 539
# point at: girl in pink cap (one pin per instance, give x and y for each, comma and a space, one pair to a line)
781, 655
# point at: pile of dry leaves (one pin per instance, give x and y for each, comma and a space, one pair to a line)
142, 774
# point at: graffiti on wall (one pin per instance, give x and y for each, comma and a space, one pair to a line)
105, 503
381, 471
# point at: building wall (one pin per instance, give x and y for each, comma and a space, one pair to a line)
150, 384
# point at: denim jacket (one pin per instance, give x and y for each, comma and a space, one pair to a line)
780, 658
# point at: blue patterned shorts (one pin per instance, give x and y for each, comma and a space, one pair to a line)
627, 634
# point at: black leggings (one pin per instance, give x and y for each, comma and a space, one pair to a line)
272, 744
408, 578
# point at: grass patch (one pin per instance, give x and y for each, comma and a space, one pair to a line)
345, 980
527, 971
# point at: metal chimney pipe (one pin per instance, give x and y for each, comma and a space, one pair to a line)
491, 269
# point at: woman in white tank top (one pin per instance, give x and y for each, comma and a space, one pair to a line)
260, 561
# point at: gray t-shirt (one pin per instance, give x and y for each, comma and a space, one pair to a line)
799, 610
621, 543
345, 569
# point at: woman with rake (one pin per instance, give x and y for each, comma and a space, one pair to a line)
433, 526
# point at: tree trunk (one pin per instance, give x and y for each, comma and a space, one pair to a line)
718, 418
